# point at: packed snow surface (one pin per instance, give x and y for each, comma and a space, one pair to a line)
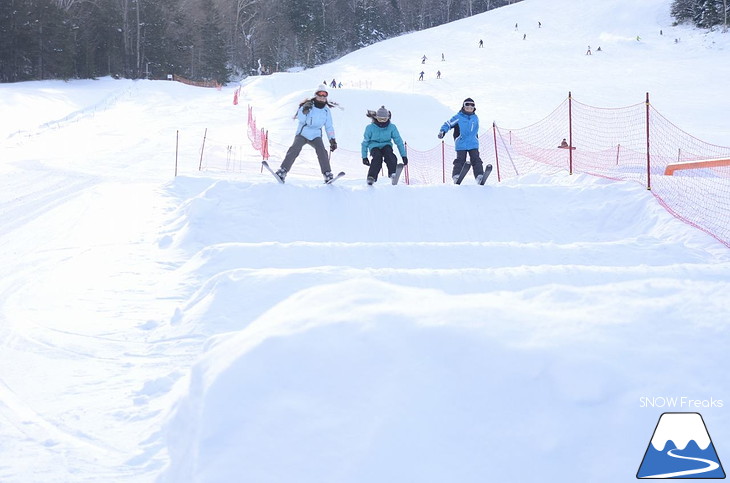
220, 327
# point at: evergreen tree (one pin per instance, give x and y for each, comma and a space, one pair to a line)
683, 10
212, 50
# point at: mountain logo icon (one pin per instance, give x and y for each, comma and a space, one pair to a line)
680, 448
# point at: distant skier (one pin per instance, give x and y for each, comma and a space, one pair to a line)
313, 114
524, 36
378, 142
481, 43
423, 60
420, 77
588, 52
438, 74
333, 84
466, 134
443, 58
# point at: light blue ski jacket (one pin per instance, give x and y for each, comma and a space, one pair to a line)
468, 130
379, 137
310, 124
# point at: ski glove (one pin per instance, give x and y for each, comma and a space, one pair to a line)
306, 107
441, 134
366, 161
405, 160
333, 144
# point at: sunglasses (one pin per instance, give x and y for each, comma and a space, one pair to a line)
320, 94
469, 104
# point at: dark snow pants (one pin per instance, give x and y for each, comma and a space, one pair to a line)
476, 162
379, 155
296, 148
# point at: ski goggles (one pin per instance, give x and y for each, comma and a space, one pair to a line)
321, 94
381, 119
469, 104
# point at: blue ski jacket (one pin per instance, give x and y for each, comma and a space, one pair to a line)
310, 124
468, 130
378, 137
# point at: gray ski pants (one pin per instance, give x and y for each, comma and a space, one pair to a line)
296, 147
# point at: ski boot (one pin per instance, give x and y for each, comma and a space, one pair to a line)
281, 174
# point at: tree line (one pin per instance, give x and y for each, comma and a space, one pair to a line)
215, 39
201, 39
701, 13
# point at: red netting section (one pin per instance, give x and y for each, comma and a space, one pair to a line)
633, 143
629, 143
257, 136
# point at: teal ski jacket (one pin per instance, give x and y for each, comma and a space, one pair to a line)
378, 137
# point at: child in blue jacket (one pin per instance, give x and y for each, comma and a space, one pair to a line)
466, 134
378, 142
313, 114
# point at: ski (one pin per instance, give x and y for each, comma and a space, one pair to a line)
462, 174
265, 164
487, 171
398, 171
337, 176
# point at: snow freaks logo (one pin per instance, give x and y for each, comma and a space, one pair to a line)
680, 448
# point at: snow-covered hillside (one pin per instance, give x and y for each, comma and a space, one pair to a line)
220, 327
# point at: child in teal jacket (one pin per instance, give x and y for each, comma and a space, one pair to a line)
378, 142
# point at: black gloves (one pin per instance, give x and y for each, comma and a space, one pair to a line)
405, 160
333, 144
441, 134
307, 106
366, 161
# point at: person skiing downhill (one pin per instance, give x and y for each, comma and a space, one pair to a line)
312, 114
378, 142
466, 134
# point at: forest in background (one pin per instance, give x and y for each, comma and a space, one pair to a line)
214, 40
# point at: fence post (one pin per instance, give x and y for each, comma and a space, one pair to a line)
408, 180
648, 152
496, 151
202, 149
443, 163
570, 132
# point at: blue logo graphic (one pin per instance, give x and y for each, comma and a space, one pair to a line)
680, 448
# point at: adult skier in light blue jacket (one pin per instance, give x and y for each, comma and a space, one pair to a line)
313, 114
466, 134
378, 142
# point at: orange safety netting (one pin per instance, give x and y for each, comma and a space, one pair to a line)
633, 143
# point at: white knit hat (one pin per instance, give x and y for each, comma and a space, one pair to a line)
321, 88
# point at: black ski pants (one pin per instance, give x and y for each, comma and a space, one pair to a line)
296, 148
476, 162
379, 155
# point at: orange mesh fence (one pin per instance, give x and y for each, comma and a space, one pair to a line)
630, 143
633, 143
